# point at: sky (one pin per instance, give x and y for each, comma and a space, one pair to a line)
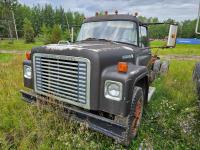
163, 9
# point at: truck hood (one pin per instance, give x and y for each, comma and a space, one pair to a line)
106, 52
101, 55
90, 46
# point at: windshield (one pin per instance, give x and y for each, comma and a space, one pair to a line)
118, 31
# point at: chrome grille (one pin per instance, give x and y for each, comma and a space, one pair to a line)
67, 78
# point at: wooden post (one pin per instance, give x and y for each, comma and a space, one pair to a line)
72, 34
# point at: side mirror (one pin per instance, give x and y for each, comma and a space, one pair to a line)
171, 42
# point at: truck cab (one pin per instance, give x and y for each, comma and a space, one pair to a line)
103, 78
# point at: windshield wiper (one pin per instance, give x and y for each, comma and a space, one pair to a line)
124, 43
116, 41
105, 40
88, 39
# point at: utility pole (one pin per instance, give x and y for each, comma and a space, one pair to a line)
13, 16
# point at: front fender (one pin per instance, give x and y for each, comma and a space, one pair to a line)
128, 80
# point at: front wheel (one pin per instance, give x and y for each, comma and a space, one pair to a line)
135, 115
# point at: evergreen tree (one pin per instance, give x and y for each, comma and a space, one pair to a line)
28, 31
46, 34
56, 34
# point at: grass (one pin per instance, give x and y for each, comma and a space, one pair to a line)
171, 120
181, 49
18, 45
27, 127
5, 57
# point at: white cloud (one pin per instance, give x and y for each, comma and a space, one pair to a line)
163, 9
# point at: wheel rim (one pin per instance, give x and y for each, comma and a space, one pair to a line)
137, 116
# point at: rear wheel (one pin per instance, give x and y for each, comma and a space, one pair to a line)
156, 66
196, 78
164, 68
135, 115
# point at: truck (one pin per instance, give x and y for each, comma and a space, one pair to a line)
102, 79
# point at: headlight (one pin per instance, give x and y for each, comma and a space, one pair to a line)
113, 90
27, 72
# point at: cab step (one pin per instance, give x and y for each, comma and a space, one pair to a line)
151, 92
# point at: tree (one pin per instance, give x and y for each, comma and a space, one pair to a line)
46, 34
188, 29
28, 31
21, 12
48, 15
66, 35
56, 34
39, 15
36, 18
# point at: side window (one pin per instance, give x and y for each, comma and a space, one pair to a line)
143, 37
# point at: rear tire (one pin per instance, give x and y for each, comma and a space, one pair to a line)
196, 78
135, 116
164, 67
156, 68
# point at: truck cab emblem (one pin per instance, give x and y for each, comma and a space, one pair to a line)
128, 56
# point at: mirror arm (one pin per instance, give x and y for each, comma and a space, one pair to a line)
160, 47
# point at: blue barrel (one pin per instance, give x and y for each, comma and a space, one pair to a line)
187, 41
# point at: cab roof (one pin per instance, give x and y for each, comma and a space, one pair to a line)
113, 17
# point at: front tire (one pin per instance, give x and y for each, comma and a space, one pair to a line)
135, 116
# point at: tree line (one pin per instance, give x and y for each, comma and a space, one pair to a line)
42, 21
53, 24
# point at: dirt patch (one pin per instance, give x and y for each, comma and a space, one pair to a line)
181, 57
11, 52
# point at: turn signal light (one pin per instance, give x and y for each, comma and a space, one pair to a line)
122, 67
28, 55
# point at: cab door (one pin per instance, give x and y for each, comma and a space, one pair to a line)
144, 53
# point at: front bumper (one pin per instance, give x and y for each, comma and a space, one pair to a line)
95, 122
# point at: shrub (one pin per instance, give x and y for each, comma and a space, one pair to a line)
28, 31
66, 35
56, 34
46, 34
